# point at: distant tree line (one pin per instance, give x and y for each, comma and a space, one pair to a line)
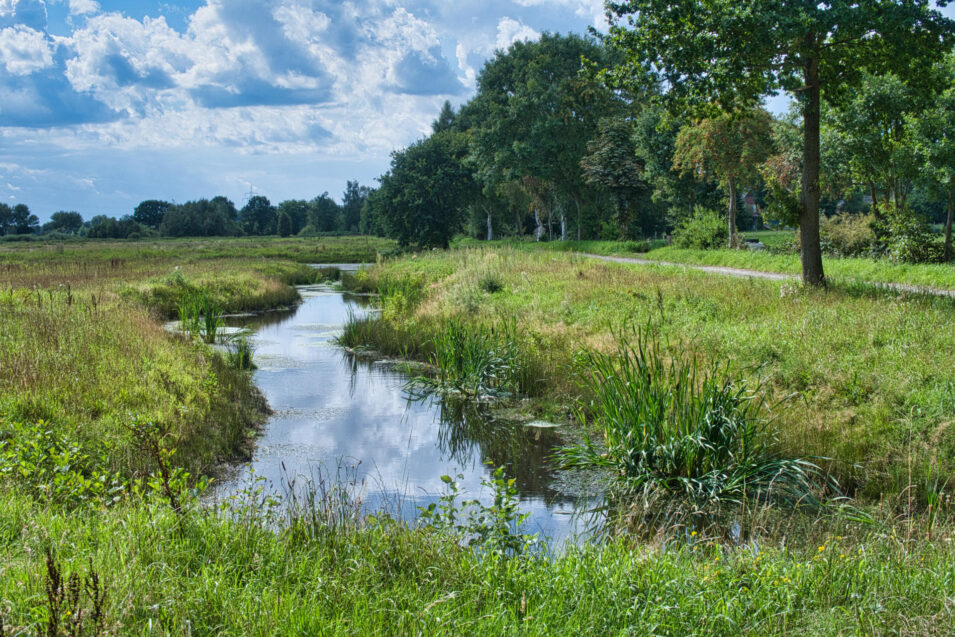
571, 137
202, 218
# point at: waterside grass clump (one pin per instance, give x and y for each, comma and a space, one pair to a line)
693, 439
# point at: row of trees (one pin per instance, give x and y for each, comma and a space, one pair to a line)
17, 220
203, 218
663, 115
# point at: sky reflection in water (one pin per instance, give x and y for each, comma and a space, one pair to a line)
334, 411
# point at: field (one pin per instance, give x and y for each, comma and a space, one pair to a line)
107, 421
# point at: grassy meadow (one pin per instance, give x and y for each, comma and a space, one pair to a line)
107, 422
844, 270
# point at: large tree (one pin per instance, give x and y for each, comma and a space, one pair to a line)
733, 52
935, 138
258, 216
612, 163
63, 221
352, 201
728, 148
150, 212
423, 197
24, 222
533, 115
874, 133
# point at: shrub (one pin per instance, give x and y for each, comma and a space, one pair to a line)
849, 235
704, 230
910, 238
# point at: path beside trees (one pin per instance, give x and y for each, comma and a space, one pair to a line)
757, 274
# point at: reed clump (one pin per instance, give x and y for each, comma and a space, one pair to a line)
676, 431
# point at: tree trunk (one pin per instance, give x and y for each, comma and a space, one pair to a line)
731, 215
577, 203
563, 225
810, 248
875, 203
550, 225
948, 227
490, 230
539, 230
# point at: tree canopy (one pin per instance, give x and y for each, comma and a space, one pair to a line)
733, 53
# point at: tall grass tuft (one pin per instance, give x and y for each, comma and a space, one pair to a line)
240, 352
476, 361
200, 315
211, 319
678, 432
190, 312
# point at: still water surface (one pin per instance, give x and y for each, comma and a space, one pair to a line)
333, 410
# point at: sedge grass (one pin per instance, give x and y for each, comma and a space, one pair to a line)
678, 433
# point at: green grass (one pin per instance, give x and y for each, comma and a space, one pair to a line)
89, 369
684, 435
91, 254
867, 376
845, 270
838, 270
203, 574
81, 349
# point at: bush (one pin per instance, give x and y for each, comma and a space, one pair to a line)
705, 230
849, 235
910, 238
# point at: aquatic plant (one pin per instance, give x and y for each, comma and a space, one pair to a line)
189, 309
475, 360
211, 319
240, 352
683, 431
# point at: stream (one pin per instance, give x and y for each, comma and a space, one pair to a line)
340, 417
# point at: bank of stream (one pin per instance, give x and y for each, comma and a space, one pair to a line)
338, 417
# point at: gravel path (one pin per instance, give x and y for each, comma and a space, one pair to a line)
756, 274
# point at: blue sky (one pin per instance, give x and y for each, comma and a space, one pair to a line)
105, 103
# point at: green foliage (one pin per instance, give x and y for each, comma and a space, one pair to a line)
704, 230
491, 283
494, 529
240, 352
65, 222
423, 197
199, 313
258, 216
909, 239
678, 429
477, 362
284, 227
849, 235
728, 148
201, 218
44, 463
151, 212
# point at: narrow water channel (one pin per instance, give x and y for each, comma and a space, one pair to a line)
337, 415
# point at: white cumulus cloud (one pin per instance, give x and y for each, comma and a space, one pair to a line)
510, 31
24, 50
83, 7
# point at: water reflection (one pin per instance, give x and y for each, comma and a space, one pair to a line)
332, 408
